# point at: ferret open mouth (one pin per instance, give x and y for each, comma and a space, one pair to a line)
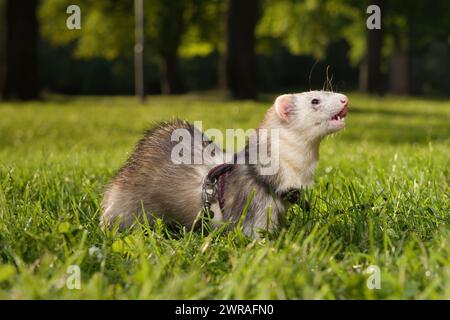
339, 118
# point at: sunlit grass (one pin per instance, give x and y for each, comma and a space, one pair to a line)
381, 197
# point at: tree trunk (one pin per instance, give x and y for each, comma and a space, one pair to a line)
170, 30
21, 80
221, 72
398, 72
171, 82
414, 87
139, 85
374, 76
240, 59
2, 45
374, 79
363, 75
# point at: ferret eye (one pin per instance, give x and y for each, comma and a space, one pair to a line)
315, 101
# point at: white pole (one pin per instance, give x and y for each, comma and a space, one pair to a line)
139, 49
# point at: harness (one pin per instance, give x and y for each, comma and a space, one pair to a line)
214, 186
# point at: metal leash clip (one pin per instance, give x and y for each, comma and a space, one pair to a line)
211, 188
209, 193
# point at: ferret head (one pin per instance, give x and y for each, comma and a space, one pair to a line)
316, 113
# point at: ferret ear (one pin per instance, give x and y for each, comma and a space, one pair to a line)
284, 106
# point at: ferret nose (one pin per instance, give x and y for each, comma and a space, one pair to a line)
344, 101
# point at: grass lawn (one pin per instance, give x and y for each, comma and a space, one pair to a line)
381, 197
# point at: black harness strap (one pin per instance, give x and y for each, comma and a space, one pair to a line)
214, 186
292, 195
219, 170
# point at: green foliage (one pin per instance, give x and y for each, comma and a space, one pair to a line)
416, 26
381, 196
108, 27
2, 33
207, 30
197, 27
308, 27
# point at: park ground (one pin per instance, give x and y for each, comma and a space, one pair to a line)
380, 198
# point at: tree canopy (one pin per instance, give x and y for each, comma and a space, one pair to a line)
413, 46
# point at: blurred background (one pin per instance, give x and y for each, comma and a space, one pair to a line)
381, 189
240, 48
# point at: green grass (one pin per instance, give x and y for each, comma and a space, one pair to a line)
381, 197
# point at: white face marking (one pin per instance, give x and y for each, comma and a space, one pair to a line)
318, 113
306, 118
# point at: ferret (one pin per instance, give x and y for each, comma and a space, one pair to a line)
151, 184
